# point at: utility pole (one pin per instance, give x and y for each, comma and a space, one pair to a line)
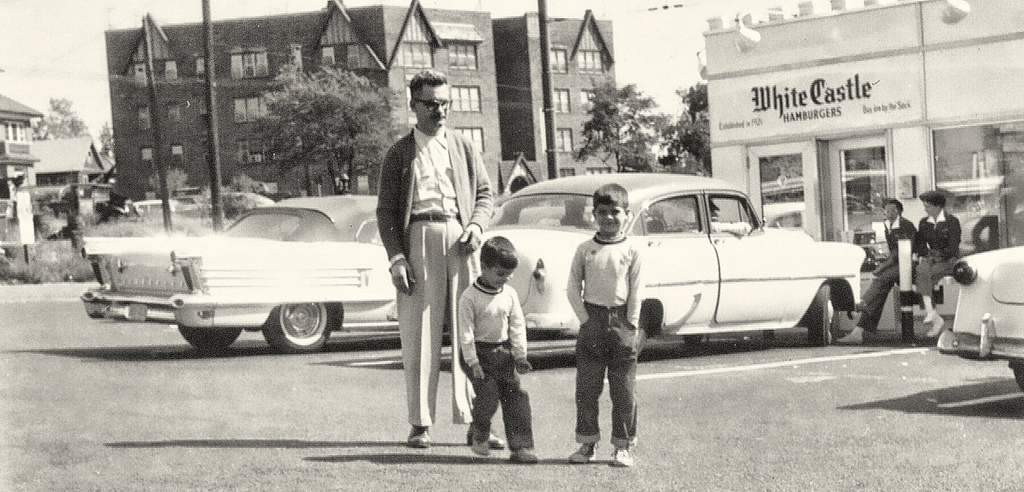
154, 124
545, 83
212, 143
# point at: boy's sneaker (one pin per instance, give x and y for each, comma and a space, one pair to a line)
525, 456
622, 457
482, 448
585, 454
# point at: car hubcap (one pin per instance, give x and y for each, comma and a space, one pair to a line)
303, 323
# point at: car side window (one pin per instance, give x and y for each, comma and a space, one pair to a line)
672, 216
729, 213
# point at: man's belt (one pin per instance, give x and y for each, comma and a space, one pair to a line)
432, 217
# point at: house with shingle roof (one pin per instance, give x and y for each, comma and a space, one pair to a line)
16, 158
69, 161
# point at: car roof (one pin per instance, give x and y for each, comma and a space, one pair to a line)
640, 186
338, 207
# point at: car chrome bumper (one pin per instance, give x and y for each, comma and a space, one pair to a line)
177, 309
552, 322
985, 344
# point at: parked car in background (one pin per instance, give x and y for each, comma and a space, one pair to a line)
989, 321
296, 271
698, 279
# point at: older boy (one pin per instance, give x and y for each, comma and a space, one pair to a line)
604, 291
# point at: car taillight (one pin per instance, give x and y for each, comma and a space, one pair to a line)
963, 273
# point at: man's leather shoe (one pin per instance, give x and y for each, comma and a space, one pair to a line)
493, 441
419, 437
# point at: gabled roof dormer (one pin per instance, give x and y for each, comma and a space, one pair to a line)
590, 38
339, 29
161, 44
416, 28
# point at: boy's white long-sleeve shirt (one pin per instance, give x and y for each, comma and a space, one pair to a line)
606, 274
490, 316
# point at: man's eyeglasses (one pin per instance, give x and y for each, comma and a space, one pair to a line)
434, 103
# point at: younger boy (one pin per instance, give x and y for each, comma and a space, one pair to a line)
604, 291
493, 342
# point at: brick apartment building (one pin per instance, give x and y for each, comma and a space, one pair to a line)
386, 44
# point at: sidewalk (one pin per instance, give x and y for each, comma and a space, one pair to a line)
64, 291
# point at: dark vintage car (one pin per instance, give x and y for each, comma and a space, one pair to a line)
709, 264
296, 271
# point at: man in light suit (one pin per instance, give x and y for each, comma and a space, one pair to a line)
434, 201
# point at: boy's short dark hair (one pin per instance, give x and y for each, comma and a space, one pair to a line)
432, 78
612, 194
498, 252
934, 198
896, 203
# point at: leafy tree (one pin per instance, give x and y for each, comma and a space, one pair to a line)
61, 122
688, 141
107, 139
330, 118
622, 125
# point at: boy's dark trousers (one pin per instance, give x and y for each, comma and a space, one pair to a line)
501, 384
607, 342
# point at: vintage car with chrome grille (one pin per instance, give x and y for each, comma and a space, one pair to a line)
709, 265
296, 271
989, 322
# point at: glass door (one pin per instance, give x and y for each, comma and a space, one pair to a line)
863, 186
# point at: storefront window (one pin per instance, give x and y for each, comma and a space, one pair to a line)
864, 187
782, 190
981, 169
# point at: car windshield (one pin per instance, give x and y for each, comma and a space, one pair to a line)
284, 226
554, 211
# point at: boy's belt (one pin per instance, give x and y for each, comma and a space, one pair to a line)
605, 312
432, 217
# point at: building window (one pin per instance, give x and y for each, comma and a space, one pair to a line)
465, 98
357, 56
139, 71
174, 112
249, 65
587, 98
782, 190
563, 140
250, 151
462, 56
170, 69
147, 154
415, 55
327, 56
15, 131
475, 134
177, 155
297, 56
248, 109
144, 120
565, 172
599, 170
200, 65
980, 169
561, 101
558, 59
590, 61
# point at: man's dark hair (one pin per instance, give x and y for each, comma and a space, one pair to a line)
934, 198
898, 204
612, 194
432, 78
498, 252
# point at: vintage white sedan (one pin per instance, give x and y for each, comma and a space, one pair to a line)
296, 271
989, 321
699, 277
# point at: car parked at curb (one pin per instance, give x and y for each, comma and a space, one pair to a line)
709, 264
296, 271
989, 321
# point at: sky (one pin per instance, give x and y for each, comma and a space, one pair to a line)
55, 49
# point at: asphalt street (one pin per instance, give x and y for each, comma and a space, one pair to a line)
96, 405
